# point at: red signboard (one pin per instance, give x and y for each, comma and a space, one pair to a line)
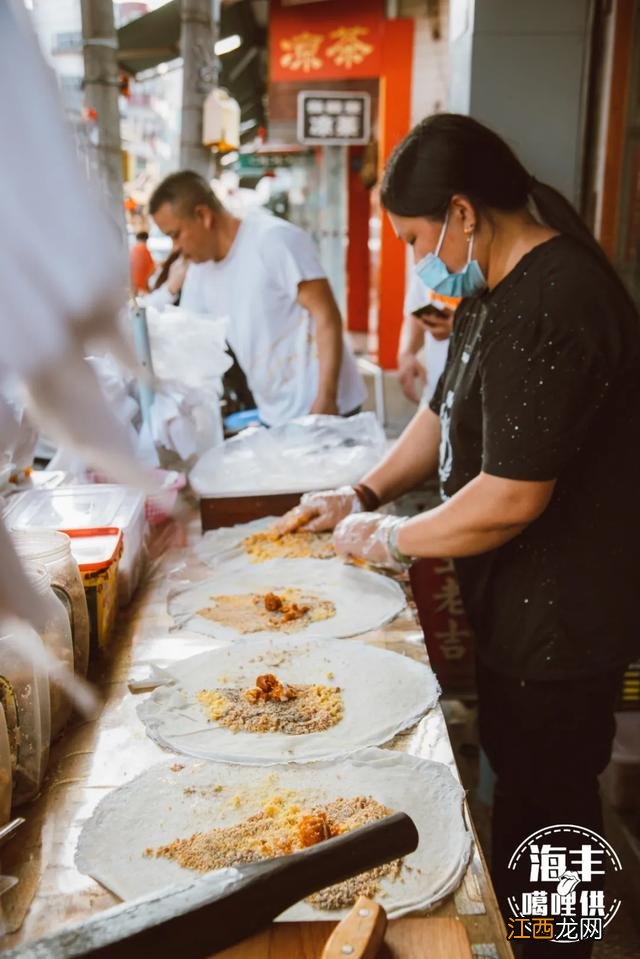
325, 41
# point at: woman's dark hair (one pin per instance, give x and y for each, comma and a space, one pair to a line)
163, 275
449, 153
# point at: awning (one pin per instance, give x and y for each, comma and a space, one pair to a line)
151, 39
154, 38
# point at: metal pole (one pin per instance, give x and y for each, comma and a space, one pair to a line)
138, 315
101, 87
197, 40
333, 225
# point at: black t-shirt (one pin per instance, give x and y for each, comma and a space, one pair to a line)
542, 382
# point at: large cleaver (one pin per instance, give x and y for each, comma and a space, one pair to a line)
215, 911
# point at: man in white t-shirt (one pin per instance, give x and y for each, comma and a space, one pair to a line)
428, 322
264, 275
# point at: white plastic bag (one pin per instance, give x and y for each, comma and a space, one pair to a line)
189, 348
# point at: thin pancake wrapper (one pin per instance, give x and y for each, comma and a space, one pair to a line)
171, 801
382, 693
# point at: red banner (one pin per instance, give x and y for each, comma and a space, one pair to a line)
325, 41
447, 633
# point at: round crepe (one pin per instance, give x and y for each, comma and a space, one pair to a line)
170, 801
224, 545
382, 694
364, 600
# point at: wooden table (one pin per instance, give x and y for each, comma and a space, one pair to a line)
93, 757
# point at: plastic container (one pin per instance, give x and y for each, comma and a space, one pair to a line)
93, 506
57, 638
52, 549
6, 788
24, 696
97, 553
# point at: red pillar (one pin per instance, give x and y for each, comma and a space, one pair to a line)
358, 266
395, 120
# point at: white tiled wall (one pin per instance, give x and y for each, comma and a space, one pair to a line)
430, 57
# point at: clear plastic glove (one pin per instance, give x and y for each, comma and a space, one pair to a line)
320, 511
368, 537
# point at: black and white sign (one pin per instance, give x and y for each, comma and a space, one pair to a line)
333, 117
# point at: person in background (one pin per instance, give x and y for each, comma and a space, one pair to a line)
534, 427
141, 264
427, 326
166, 287
263, 274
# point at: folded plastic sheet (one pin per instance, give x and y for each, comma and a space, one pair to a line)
309, 453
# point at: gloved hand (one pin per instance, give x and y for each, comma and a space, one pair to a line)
320, 511
370, 537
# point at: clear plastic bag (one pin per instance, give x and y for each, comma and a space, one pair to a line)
187, 347
309, 453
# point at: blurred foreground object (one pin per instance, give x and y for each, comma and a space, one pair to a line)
63, 275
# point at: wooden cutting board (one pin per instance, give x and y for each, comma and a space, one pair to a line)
437, 938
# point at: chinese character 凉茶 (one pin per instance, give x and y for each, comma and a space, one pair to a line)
301, 52
349, 48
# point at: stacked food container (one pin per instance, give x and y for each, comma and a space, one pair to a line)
83, 550
90, 507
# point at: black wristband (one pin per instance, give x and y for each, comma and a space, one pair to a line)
370, 501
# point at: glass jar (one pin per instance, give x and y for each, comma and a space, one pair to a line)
56, 636
52, 549
5, 772
24, 695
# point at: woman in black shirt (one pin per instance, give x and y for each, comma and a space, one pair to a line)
535, 426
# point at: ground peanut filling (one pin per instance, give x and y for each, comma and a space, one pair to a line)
282, 827
286, 610
273, 707
296, 545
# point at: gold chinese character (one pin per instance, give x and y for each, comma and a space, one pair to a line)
448, 598
349, 48
454, 641
301, 52
517, 928
542, 928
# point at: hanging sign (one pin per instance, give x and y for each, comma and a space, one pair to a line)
334, 117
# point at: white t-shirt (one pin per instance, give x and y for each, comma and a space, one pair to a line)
256, 287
